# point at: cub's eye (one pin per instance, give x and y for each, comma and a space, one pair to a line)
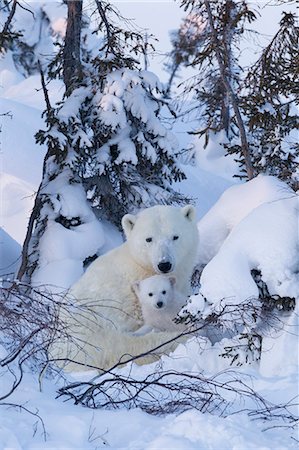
164, 292
150, 294
149, 239
175, 237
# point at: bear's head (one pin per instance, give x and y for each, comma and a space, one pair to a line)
156, 291
162, 237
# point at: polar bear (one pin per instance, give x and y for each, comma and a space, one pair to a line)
160, 303
159, 240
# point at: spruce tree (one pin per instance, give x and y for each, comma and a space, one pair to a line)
209, 41
28, 46
271, 104
108, 151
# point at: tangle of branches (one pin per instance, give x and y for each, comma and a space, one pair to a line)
162, 391
172, 392
30, 324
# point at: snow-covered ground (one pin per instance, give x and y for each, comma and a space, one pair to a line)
66, 426
251, 226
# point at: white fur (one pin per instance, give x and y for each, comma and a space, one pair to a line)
104, 333
160, 303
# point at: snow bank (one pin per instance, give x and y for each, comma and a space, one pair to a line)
40, 25
266, 240
213, 157
64, 247
203, 187
10, 252
17, 198
280, 349
69, 426
29, 91
74, 427
21, 156
233, 206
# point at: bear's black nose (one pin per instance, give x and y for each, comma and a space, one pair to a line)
164, 266
159, 304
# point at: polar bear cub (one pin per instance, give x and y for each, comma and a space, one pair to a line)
160, 303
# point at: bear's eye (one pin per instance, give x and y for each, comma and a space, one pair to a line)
149, 239
150, 294
175, 237
164, 292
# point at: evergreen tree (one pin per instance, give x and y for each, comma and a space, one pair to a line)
105, 139
186, 43
209, 42
263, 99
28, 46
271, 104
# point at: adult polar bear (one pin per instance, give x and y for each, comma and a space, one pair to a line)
160, 239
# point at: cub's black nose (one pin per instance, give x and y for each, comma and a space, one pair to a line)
164, 267
159, 304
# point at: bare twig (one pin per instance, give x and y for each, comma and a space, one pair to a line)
45, 90
167, 392
9, 19
107, 25
27, 410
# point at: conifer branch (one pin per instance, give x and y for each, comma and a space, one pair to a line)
231, 93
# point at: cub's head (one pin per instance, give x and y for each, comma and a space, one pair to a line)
156, 291
162, 236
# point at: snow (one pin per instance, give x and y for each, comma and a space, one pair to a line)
124, 91
72, 427
61, 262
72, 104
18, 131
250, 225
279, 344
68, 426
9, 254
211, 157
257, 242
233, 206
17, 197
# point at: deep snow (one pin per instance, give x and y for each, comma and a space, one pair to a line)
241, 232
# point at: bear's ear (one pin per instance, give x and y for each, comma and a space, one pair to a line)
189, 212
128, 222
172, 281
136, 287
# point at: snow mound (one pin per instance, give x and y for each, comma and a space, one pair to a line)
232, 207
280, 350
10, 252
252, 226
213, 157
73, 233
266, 240
17, 199
21, 156
202, 187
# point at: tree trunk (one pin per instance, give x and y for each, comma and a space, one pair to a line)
231, 94
72, 69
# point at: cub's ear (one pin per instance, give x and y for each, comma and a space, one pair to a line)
128, 222
136, 287
172, 280
189, 212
